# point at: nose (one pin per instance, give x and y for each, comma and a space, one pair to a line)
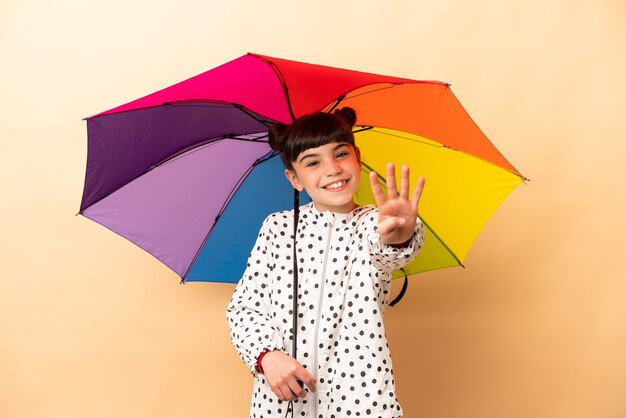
333, 168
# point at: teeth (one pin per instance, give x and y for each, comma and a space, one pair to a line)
336, 185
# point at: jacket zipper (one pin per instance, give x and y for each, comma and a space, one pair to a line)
331, 224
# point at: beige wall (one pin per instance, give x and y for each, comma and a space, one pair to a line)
535, 326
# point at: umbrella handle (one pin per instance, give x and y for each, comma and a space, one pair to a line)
402, 291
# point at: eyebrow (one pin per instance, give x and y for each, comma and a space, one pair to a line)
339, 145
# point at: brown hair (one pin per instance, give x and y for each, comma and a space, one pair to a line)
311, 131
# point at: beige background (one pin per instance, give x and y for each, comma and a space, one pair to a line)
91, 326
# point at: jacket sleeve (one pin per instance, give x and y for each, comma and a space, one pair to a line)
387, 258
252, 328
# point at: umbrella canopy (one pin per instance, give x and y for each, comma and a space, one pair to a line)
186, 173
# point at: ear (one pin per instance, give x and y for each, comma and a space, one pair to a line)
293, 179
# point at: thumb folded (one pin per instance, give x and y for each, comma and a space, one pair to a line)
388, 225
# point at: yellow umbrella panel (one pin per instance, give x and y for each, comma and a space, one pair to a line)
461, 194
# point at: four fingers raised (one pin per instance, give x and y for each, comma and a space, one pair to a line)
392, 191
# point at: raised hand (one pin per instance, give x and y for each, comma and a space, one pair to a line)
397, 215
283, 372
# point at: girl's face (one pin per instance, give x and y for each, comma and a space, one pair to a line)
330, 174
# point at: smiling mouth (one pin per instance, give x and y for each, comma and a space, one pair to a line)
336, 185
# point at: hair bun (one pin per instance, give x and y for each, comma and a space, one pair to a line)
277, 135
348, 114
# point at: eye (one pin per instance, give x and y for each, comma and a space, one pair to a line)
312, 163
342, 154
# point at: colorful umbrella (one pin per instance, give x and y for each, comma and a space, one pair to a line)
186, 172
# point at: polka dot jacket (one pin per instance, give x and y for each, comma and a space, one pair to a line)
344, 282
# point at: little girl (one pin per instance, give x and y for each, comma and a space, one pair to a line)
345, 257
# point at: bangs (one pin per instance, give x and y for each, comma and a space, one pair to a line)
313, 131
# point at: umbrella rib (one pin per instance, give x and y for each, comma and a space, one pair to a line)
363, 128
152, 167
179, 154
201, 103
282, 81
190, 149
385, 86
258, 161
180, 103
438, 145
337, 101
341, 98
370, 168
271, 154
200, 145
427, 225
247, 112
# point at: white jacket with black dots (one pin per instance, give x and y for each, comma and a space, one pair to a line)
344, 283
